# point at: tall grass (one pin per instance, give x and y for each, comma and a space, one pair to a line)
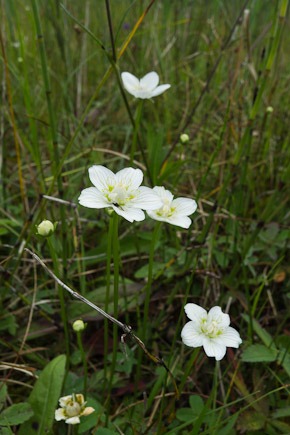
64, 109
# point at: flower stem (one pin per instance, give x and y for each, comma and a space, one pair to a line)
150, 276
63, 312
115, 251
136, 129
84, 359
108, 286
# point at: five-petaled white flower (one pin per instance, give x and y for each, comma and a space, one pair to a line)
72, 408
173, 211
120, 191
210, 330
147, 87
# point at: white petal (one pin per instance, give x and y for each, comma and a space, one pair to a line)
190, 336
231, 337
130, 177
164, 194
59, 414
180, 221
73, 420
195, 312
223, 319
93, 198
64, 400
184, 206
146, 199
159, 90
129, 213
100, 176
141, 93
150, 81
129, 81
154, 215
212, 348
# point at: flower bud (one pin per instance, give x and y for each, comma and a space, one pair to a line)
78, 326
45, 228
184, 138
269, 109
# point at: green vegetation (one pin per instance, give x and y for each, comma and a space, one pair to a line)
64, 109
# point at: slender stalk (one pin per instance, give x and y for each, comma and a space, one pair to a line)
84, 360
150, 276
136, 129
115, 251
108, 286
63, 313
111, 30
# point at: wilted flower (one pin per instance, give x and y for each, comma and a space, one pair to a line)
210, 330
45, 228
173, 211
147, 87
72, 408
120, 192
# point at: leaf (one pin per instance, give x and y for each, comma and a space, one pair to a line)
3, 394
196, 404
259, 353
44, 398
16, 414
8, 324
91, 420
261, 332
186, 414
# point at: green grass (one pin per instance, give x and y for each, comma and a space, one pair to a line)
64, 110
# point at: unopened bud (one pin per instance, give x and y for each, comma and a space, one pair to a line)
45, 228
269, 109
184, 138
78, 326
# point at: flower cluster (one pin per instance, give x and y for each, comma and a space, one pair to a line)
72, 407
122, 193
210, 330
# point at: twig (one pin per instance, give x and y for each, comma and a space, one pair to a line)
126, 328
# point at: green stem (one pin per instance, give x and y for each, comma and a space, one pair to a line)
84, 360
115, 250
54, 153
63, 312
150, 276
108, 286
188, 369
136, 129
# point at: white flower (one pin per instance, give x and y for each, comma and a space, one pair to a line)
210, 330
72, 408
147, 87
120, 191
173, 211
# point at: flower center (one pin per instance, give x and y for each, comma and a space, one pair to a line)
72, 409
211, 328
166, 210
119, 194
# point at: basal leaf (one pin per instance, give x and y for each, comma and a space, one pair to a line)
44, 398
15, 414
259, 353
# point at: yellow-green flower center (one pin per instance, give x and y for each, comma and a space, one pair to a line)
211, 328
72, 409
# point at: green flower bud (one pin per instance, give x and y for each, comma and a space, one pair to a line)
269, 109
45, 228
184, 138
78, 326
